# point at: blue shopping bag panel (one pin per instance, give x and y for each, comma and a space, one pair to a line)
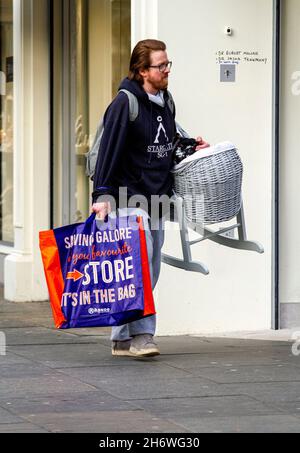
97, 273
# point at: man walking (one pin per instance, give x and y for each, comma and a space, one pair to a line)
137, 156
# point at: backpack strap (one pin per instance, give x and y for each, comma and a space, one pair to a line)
171, 103
133, 105
181, 131
92, 155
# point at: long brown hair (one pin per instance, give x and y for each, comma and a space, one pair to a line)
140, 58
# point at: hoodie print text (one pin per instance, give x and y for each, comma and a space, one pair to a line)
162, 145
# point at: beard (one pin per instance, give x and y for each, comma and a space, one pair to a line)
160, 84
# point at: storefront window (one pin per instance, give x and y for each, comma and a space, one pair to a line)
6, 121
91, 51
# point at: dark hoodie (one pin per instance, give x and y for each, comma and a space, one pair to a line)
136, 155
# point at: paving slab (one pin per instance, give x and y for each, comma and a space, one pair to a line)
178, 409
245, 374
24, 371
202, 345
37, 385
244, 424
141, 371
233, 359
90, 401
67, 381
289, 407
91, 332
16, 321
39, 335
19, 428
24, 314
267, 392
10, 358
107, 422
6, 417
170, 387
69, 355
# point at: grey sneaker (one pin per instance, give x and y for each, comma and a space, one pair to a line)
121, 348
143, 346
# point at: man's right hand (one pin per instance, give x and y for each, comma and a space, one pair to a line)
102, 209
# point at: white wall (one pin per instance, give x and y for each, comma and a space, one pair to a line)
289, 162
237, 293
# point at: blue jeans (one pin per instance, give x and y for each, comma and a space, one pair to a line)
155, 239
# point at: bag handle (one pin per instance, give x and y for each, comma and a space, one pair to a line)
92, 218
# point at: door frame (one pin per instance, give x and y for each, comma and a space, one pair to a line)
276, 169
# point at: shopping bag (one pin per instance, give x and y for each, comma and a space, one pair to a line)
97, 272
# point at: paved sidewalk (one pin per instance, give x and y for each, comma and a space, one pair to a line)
67, 381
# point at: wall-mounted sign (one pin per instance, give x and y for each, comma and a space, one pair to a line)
227, 72
240, 56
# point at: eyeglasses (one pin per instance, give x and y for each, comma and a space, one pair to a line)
163, 67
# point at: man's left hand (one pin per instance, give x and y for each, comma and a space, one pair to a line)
202, 144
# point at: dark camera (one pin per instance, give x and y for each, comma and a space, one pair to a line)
183, 147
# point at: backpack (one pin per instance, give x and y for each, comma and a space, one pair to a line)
92, 155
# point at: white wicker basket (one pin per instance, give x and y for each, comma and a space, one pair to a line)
210, 183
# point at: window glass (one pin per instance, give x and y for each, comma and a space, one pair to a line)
91, 52
102, 59
6, 121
